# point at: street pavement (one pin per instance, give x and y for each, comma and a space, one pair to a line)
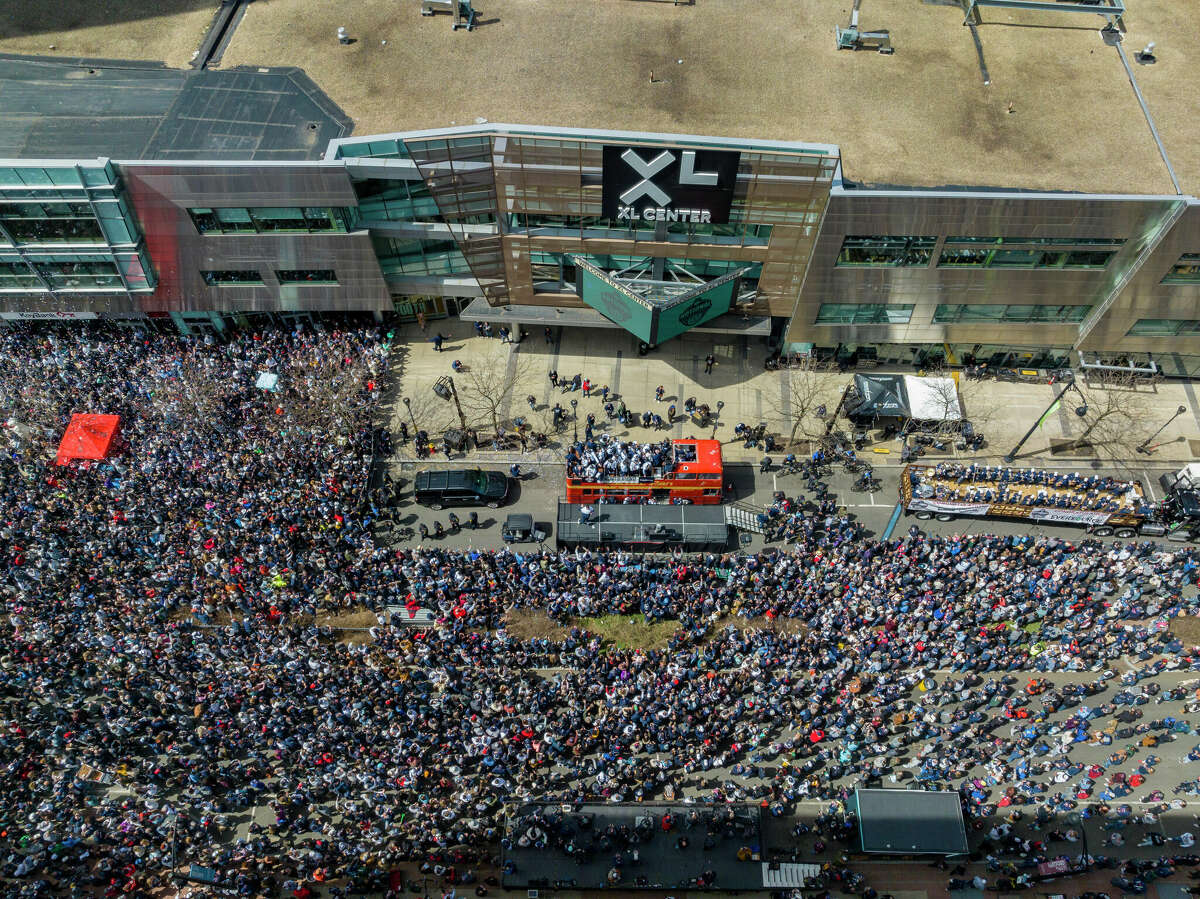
740, 389
539, 493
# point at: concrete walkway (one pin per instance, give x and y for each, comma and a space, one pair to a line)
499, 377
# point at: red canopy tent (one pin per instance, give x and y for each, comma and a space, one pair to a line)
88, 436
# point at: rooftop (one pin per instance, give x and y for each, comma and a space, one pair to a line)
1059, 112
77, 108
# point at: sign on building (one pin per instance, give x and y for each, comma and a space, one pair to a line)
648, 184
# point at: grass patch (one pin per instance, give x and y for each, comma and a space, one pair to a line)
1187, 629
762, 623
631, 632
528, 624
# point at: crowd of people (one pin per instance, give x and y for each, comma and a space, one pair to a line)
955, 482
604, 457
165, 625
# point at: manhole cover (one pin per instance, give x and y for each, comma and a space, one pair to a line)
1069, 448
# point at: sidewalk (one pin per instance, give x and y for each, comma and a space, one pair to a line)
745, 392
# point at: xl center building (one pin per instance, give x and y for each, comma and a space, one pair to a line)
652, 232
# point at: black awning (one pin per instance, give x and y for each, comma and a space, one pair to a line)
878, 396
910, 822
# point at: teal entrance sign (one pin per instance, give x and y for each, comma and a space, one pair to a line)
701, 304
615, 301
655, 322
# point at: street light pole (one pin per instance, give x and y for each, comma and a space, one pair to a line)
1144, 446
1080, 411
408, 406
575, 418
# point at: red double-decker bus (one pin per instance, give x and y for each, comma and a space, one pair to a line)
694, 474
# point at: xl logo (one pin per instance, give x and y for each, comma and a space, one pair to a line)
671, 185
646, 187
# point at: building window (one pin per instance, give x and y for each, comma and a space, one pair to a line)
306, 276
959, 313
38, 223
864, 314
79, 273
18, 276
888, 251
218, 278
267, 219
1185, 271
417, 256
1164, 327
1026, 252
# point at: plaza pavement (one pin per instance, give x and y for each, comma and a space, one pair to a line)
745, 390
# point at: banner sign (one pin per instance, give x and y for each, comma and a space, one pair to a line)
614, 301
1072, 516
933, 505
703, 303
649, 184
48, 316
1038, 513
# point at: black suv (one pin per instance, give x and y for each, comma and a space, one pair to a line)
461, 487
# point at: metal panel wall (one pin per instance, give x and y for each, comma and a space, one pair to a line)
162, 195
1145, 296
918, 213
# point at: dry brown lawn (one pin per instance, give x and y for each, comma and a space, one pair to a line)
167, 30
1187, 629
528, 624
631, 631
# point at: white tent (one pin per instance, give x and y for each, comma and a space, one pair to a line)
932, 399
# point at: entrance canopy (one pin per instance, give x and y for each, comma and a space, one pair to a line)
655, 311
88, 436
910, 822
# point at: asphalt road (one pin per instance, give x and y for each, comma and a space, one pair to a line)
538, 496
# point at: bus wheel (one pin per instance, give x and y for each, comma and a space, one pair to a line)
944, 516
1126, 533
1102, 531
924, 516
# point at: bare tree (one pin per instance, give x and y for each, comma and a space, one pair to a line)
490, 383
807, 406
1114, 422
191, 393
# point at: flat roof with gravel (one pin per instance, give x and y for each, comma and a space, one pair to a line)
1059, 112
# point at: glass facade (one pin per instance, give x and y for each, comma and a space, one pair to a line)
393, 200
1164, 327
69, 229
267, 219
217, 278
1023, 253
956, 313
864, 314
889, 252
1185, 271
417, 256
894, 251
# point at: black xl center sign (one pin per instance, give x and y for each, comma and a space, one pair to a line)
672, 184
